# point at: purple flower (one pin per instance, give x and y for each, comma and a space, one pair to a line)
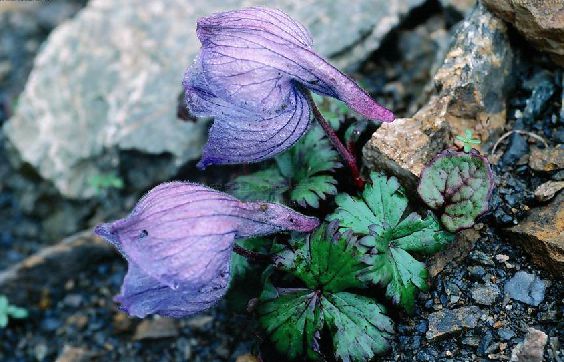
178, 241
251, 74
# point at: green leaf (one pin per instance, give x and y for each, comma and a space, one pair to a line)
17, 312
327, 264
459, 186
309, 190
359, 326
291, 319
379, 214
382, 204
3, 320
268, 185
325, 259
333, 110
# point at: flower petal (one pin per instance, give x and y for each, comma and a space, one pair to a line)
178, 242
255, 66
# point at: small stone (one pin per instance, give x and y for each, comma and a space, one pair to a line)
447, 322
121, 322
74, 354
526, 288
199, 322
482, 258
471, 341
476, 272
532, 348
40, 351
502, 258
73, 300
78, 320
486, 295
155, 329
247, 358
505, 334
548, 190
546, 159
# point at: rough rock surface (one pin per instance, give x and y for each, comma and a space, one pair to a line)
547, 159
526, 288
53, 265
542, 235
532, 348
156, 328
108, 83
447, 322
471, 88
540, 22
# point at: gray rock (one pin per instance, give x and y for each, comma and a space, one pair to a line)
526, 288
472, 85
486, 295
108, 82
532, 348
447, 322
505, 334
156, 328
75, 354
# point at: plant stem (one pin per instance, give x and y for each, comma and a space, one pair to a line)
252, 255
347, 156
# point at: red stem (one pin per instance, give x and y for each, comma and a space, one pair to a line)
252, 255
347, 156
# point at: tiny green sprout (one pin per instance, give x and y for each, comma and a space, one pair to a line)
9, 311
106, 181
467, 140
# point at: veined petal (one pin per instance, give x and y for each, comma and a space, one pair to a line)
243, 62
178, 242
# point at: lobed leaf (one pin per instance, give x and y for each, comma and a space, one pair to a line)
359, 326
324, 260
268, 185
292, 319
458, 186
378, 214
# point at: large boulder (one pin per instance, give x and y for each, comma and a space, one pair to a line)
471, 88
104, 91
540, 22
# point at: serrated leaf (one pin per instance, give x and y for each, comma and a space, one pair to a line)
268, 185
325, 260
309, 190
359, 326
240, 266
378, 214
292, 320
382, 204
458, 185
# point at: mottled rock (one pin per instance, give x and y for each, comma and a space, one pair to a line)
485, 295
247, 357
526, 288
472, 85
532, 348
542, 235
540, 22
53, 265
546, 159
447, 322
156, 328
117, 69
548, 190
75, 354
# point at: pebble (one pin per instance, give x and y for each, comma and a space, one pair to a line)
476, 272
526, 288
486, 295
505, 334
447, 321
74, 354
532, 348
481, 258
155, 329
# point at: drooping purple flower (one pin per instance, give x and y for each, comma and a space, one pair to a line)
178, 242
250, 76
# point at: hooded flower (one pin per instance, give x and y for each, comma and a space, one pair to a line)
250, 76
178, 241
